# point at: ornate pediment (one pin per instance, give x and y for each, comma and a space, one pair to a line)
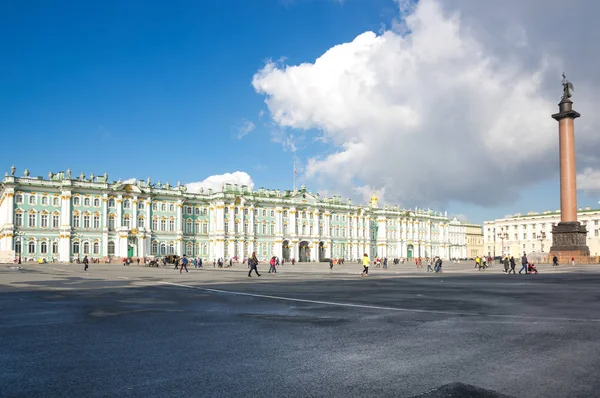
305, 198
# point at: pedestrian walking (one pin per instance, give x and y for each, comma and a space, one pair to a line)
506, 263
572, 260
253, 262
86, 263
365, 263
513, 264
429, 261
272, 269
184, 262
555, 261
331, 264
385, 263
524, 263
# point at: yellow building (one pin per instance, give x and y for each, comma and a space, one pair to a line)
474, 234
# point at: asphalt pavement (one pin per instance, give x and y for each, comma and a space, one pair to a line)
304, 332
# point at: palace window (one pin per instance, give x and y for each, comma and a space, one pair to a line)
272, 229
111, 248
75, 247
197, 211
96, 202
188, 210
264, 213
236, 211
44, 247
126, 222
303, 214
31, 247
154, 224
205, 249
226, 210
246, 213
171, 208
96, 248
235, 228
155, 206
245, 227
205, 212
86, 221
189, 249
32, 199
127, 204
76, 201
226, 227
163, 225
303, 229
311, 229
96, 221
163, 207
54, 247
255, 230
272, 213
44, 201
154, 248
75, 220
19, 199
32, 220
56, 201
163, 249
55, 220
255, 212
141, 205
111, 222
285, 213
189, 227
18, 220
285, 229
44, 221
86, 202
111, 202
205, 228
171, 225
18, 247
171, 248
140, 223
264, 229
86, 247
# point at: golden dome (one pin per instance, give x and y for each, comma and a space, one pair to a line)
374, 197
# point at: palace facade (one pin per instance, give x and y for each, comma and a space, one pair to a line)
532, 232
63, 218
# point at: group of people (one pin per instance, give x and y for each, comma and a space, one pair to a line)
510, 264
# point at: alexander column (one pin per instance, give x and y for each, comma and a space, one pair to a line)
568, 236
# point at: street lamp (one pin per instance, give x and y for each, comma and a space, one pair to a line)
541, 238
502, 236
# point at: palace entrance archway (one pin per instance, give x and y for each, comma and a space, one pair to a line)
285, 250
321, 251
410, 249
304, 252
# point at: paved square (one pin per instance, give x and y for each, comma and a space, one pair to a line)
136, 331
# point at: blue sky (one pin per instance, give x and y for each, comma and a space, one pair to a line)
146, 89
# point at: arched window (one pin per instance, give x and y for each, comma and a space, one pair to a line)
96, 221
163, 224
163, 249
236, 211
18, 248
86, 221
189, 227
96, 202
154, 248
32, 219
155, 206
76, 201
18, 220
163, 207
86, 247
285, 229
189, 249
171, 208
126, 204
111, 222
86, 201
76, 220
44, 221
205, 249
171, 225
75, 247
127, 221
54, 247
303, 214
111, 202
18, 199
44, 200
154, 224
285, 213
171, 248
111, 248
96, 248
31, 247
140, 222
226, 210
44, 247
56, 201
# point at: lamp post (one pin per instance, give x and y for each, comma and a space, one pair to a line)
541, 238
502, 236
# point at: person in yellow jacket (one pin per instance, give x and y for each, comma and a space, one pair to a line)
365, 263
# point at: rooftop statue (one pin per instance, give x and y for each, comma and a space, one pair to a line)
567, 85
26, 173
68, 174
13, 169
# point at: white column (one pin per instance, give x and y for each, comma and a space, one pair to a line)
64, 245
292, 222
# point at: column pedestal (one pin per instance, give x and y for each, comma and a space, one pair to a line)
569, 241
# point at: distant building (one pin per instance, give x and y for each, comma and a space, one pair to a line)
474, 236
64, 218
532, 232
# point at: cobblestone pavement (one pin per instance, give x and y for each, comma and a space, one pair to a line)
305, 331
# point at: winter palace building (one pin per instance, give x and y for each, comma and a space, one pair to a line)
63, 218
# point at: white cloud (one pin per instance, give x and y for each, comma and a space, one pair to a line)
129, 181
442, 111
216, 182
246, 128
589, 180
